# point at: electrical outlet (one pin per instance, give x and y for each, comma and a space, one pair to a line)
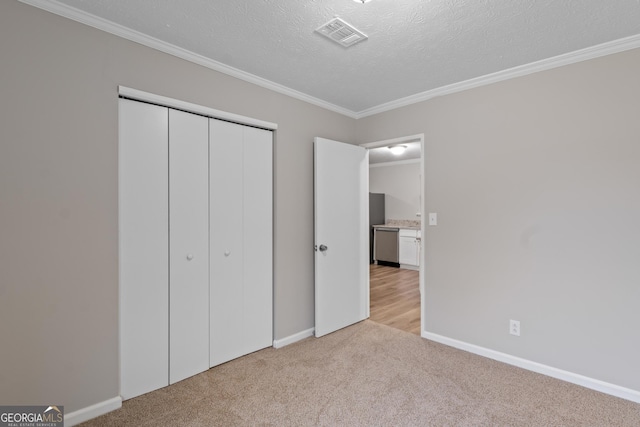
514, 327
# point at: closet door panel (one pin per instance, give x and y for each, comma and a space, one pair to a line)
143, 247
226, 237
258, 239
189, 245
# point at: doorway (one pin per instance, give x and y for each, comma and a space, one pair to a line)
393, 290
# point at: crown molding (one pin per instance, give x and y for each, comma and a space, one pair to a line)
592, 52
82, 17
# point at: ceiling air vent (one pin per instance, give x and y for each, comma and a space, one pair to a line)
341, 32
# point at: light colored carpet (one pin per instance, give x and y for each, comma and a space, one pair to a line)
371, 375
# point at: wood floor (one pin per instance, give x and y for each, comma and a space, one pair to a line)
395, 297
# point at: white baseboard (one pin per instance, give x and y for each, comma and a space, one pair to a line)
293, 338
593, 384
85, 414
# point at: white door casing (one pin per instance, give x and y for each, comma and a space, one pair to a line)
421, 265
341, 190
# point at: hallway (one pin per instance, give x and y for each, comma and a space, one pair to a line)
395, 297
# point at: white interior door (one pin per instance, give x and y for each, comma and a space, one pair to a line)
144, 248
341, 181
241, 246
189, 245
226, 249
258, 238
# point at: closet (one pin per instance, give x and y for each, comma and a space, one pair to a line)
241, 240
195, 243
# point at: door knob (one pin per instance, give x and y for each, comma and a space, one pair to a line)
189, 257
227, 252
323, 248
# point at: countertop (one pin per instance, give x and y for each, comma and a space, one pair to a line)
398, 226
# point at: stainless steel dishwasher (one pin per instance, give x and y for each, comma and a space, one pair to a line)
386, 245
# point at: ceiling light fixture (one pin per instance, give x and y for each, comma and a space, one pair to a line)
362, 1
397, 149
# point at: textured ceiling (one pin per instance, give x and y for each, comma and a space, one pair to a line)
413, 46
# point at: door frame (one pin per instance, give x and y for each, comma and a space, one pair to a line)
404, 139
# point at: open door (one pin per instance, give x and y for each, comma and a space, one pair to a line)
341, 182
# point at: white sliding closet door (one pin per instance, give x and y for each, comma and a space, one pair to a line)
189, 245
143, 247
241, 240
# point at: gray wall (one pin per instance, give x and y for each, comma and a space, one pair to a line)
536, 184
535, 181
58, 197
401, 185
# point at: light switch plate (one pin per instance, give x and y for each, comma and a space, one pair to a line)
433, 218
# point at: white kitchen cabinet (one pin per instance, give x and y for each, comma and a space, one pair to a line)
174, 207
409, 248
241, 240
